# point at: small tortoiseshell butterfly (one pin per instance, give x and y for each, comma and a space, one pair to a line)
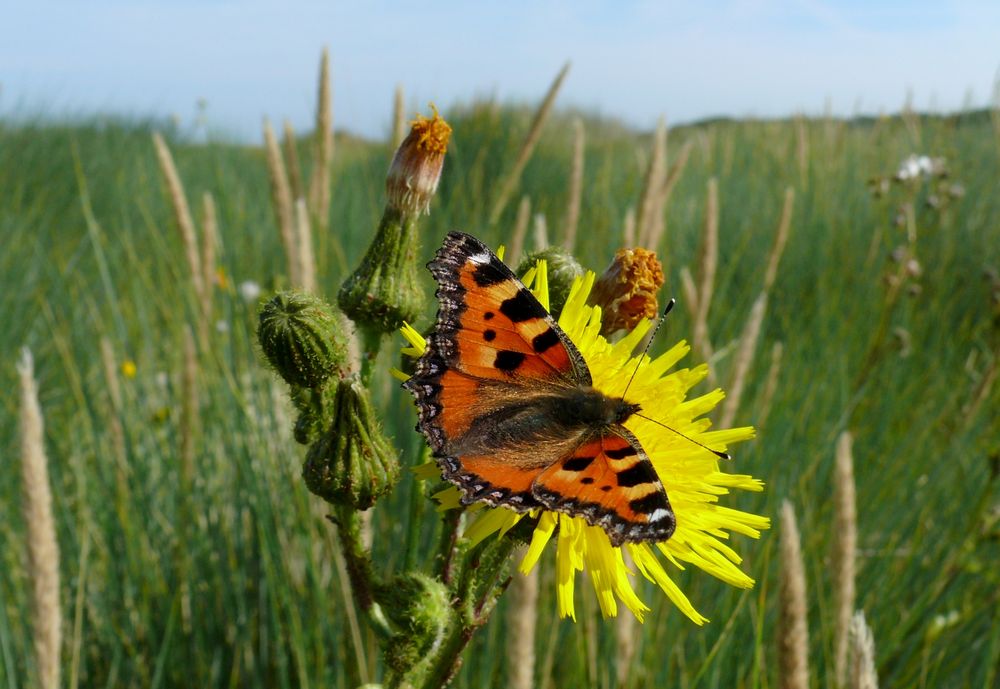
507, 405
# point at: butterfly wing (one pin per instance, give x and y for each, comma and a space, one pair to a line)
494, 353
609, 481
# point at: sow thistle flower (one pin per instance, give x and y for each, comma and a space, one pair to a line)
690, 474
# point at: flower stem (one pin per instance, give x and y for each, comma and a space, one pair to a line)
359, 569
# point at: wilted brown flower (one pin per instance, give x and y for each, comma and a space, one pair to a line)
626, 291
416, 168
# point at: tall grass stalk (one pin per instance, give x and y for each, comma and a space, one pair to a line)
182, 214
541, 232
43, 548
398, 117
319, 181
770, 384
304, 241
780, 239
844, 548
744, 358
709, 265
520, 232
513, 176
522, 619
628, 227
659, 227
185, 508
862, 673
690, 291
281, 198
575, 194
651, 196
294, 167
209, 247
793, 628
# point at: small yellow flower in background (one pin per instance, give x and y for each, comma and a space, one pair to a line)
220, 278
690, 474
128, 368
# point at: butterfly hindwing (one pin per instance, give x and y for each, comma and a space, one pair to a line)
610, 482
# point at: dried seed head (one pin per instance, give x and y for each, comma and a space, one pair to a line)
416, 168
626, 291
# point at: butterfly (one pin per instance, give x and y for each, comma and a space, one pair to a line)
508, 407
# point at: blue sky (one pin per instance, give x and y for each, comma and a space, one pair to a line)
633, 60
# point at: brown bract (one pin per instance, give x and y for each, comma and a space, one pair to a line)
626, 291
416, 168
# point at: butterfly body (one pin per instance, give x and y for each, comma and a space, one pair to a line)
508, 407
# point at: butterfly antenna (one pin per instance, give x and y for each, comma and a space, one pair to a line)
717, 453
666, 310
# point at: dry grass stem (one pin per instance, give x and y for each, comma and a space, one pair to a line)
114, 412
520, 232
627, 635
771, 384
182, 213
209, 244
307, 259
512, 178
744, 358
862, 661
802, 148
690, 291
43, 548
189, 410
656, 175
844, 548
575, 187
281, 197
289, 143
793, 628
709, 264
780, 238
319, 182
522, 613
398, 117
628, 228
659, 227
541, 232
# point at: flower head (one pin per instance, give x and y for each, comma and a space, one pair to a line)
690, 473
626, 291
416, 168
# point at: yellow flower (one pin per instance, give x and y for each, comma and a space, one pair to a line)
128, 368
690, 474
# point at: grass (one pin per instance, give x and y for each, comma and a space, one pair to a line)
90, 250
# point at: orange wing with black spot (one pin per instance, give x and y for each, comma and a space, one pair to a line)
609, 481
493, 341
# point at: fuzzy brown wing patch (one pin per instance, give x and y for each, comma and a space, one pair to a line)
609, 481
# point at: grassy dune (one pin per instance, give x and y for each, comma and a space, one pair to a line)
249, 595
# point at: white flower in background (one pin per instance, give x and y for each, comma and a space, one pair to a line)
249, 291
915, 166
162, 379
222, 326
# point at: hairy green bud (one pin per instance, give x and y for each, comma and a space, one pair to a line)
351, 463
563, 269
302, 337
385, 289
418, 608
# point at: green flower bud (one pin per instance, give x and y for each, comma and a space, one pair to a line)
385, 289
301, 336
563, 269
316, 407
352, 463
418, 607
